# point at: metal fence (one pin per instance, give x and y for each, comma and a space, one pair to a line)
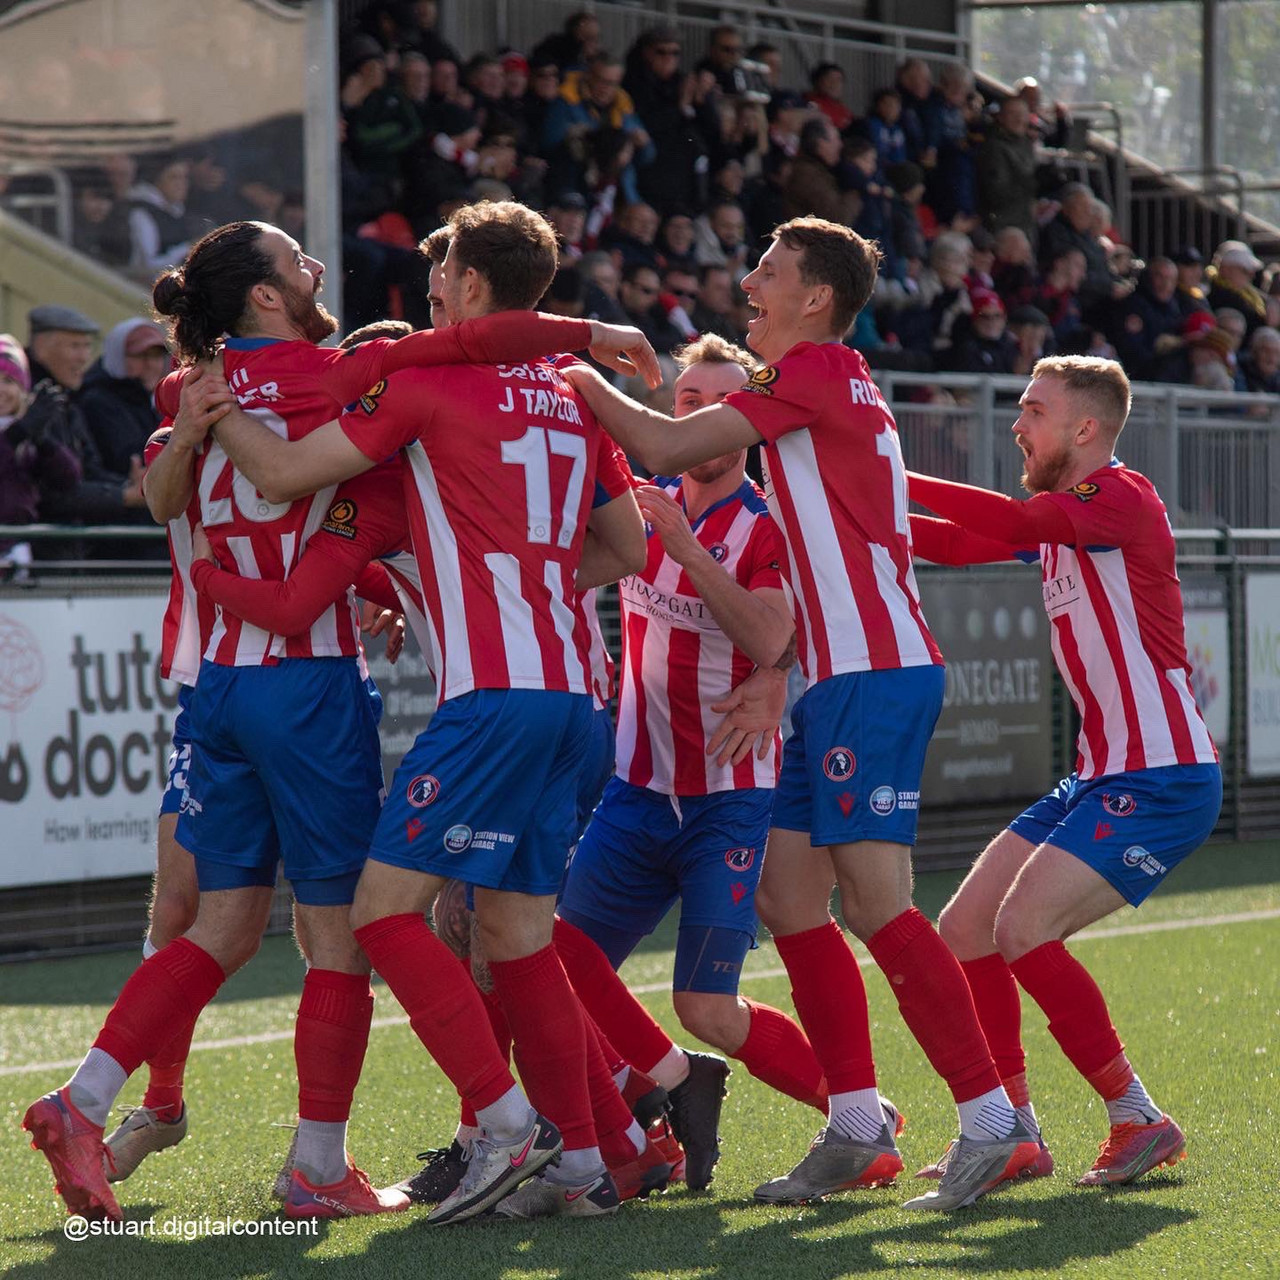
1214, 456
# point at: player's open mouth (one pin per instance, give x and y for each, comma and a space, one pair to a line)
761, 313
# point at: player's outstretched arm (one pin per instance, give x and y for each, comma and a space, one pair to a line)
1008, 520
615, 543
322, 575
282, 470
205, 398
665, 446
757, 621
942, 542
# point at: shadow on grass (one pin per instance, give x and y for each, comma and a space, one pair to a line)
724, 1241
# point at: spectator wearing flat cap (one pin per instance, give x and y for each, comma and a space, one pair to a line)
117, 395
1231, 283
60, 351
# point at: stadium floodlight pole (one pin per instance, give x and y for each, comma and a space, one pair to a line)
320, 141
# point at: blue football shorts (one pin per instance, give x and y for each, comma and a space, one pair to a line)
286, 767
851, 769
488, 794
644, 850
175, 785
1131, 828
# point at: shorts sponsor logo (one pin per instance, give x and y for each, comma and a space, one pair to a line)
1103, 831
718, 552
738, 892
422, 790
839, 763
846, 800
190, 805
740, 859
1137, 856
458, 838
908, 800
1119, 806
413, 829
883, 801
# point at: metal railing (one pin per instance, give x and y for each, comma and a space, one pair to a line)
1214, 456
868, 52
41, 197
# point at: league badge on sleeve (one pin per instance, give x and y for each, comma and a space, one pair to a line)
762, 380
369, 401
1085, 490
341, 519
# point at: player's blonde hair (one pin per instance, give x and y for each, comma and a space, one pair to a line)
711, 348
1099, 387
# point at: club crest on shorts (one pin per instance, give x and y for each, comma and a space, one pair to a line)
1118, 806
458, 838
839, 764
422, 790
883, 801
740, 859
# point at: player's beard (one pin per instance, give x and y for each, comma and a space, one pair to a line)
1042, 473
710, 472
307, 315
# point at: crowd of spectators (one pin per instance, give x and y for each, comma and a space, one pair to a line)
664, 176
73, 429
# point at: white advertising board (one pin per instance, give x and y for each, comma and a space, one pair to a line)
85, 729
1262, 660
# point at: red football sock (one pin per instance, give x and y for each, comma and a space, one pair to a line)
165, 1072
611, 1116
1078, 1017
831, 1002
164, 992
779, 1053
999, 1009
606, 998
329, 1042
445, 1011
612, 1058
935, 1003
501, 1033
549, 1040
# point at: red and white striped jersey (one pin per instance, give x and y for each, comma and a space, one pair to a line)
613, 479
1118, 638
292, 388
188, 617
837, 488
676, 661
500, 475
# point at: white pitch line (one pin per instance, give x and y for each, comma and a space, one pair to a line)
655, 988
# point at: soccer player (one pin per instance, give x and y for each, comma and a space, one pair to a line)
499, 468
1146, 789
847, 798
707, 608
252, 722
161, 1121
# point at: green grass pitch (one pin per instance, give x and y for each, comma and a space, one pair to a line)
1192, 981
